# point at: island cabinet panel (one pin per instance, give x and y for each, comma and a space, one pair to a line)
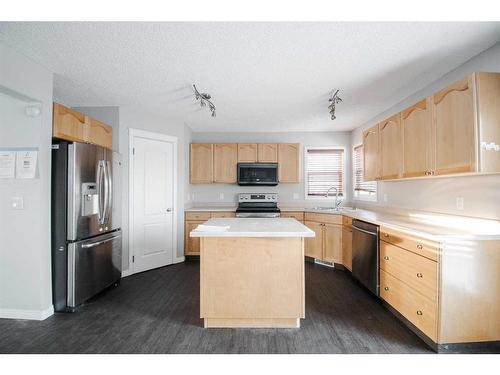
289, 160
347, 247
225, 161
371, 155
332, 248
247, 152
201, 163
69, 124
268, 153
390, 147
455, 123
191, 244
100, 134
418, 146
251, 282
314, 245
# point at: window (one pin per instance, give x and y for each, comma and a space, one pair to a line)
324, 169
362, 189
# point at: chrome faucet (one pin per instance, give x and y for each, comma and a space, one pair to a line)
338, 202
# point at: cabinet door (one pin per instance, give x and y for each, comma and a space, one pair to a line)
100, 134
347, 248
288, 159
416, 125
201, 163
454, 123
247, 152
390, 147
314, 245
268, 152
371, 154
69, 124
332, 243
225, 161
191, 244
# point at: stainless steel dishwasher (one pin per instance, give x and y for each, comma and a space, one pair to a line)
365, 254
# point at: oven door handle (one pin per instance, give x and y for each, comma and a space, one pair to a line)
364, 231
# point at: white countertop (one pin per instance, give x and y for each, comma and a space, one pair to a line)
433, 226
255, 227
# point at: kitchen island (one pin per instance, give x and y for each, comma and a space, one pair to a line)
252, 272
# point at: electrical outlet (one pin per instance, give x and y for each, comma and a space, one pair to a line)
17, 203
386, 198
295, 195
460, 203
221, 196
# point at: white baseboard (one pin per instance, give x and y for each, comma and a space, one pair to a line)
27, 314
127, 273
179, 260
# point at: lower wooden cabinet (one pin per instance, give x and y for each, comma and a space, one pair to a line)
191, 244
347, 247
298, 215
314, 245
327, 244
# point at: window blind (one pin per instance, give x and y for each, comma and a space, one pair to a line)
360, 186
324, 169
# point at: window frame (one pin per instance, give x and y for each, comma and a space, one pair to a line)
355, 196
306, 183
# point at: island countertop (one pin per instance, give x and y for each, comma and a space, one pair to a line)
254, 227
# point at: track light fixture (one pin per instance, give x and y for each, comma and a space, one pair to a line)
204, 99
334, 100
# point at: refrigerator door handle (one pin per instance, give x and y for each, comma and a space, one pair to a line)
109, 191
99, 179
87, 246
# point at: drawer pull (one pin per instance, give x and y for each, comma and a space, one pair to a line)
420, 247
386, 234
419, 312
386, 288
386, 257
420, 275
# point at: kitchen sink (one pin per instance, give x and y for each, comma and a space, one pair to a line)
333, 209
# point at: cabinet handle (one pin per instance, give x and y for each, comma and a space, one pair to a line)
386, 288
386, 257
386, 234
419, 312
420, 247
420, 275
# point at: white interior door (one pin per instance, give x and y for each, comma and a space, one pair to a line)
153, 203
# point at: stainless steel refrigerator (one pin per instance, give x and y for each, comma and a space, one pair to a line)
86, 235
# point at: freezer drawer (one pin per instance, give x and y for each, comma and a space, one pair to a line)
93, 265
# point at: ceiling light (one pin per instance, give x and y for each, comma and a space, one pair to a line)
334, 99
204, 99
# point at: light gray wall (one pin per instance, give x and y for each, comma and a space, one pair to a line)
110, 115
132, 118
480, 193
25, 261
209, 193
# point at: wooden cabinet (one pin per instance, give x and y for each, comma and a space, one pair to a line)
267, 153
289, 159
74, 126
223, 214
225, 161
347, 247
191, 244
314, 245
418, 146
298, 215
201, 163
332, 243
454, 122
390, 147
247, 152
371, 154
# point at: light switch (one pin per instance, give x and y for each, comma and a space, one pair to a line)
386, 198
460, 203
17, 203
295, 195
221, 196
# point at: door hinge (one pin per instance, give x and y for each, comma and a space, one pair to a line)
133, 259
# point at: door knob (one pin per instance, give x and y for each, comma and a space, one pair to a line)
169, 210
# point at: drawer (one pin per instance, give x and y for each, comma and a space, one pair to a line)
426, 248
295, 214
223, 214
197, 215
323, 218
418, 309
417, 271
347, 221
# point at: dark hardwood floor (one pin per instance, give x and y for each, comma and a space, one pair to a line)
158, 312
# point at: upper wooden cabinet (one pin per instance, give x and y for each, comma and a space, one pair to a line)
371, 154
289, 159
267, 153
455, 123
74, 126
225, 160
416, 126
390, 147
247, 152
201, 163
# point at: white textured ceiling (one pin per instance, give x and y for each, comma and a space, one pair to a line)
262, 76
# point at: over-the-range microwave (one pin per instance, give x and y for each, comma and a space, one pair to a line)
258, 174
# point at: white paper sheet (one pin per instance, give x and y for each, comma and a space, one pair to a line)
7, 164
26, 164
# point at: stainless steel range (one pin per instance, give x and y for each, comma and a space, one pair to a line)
258, 205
